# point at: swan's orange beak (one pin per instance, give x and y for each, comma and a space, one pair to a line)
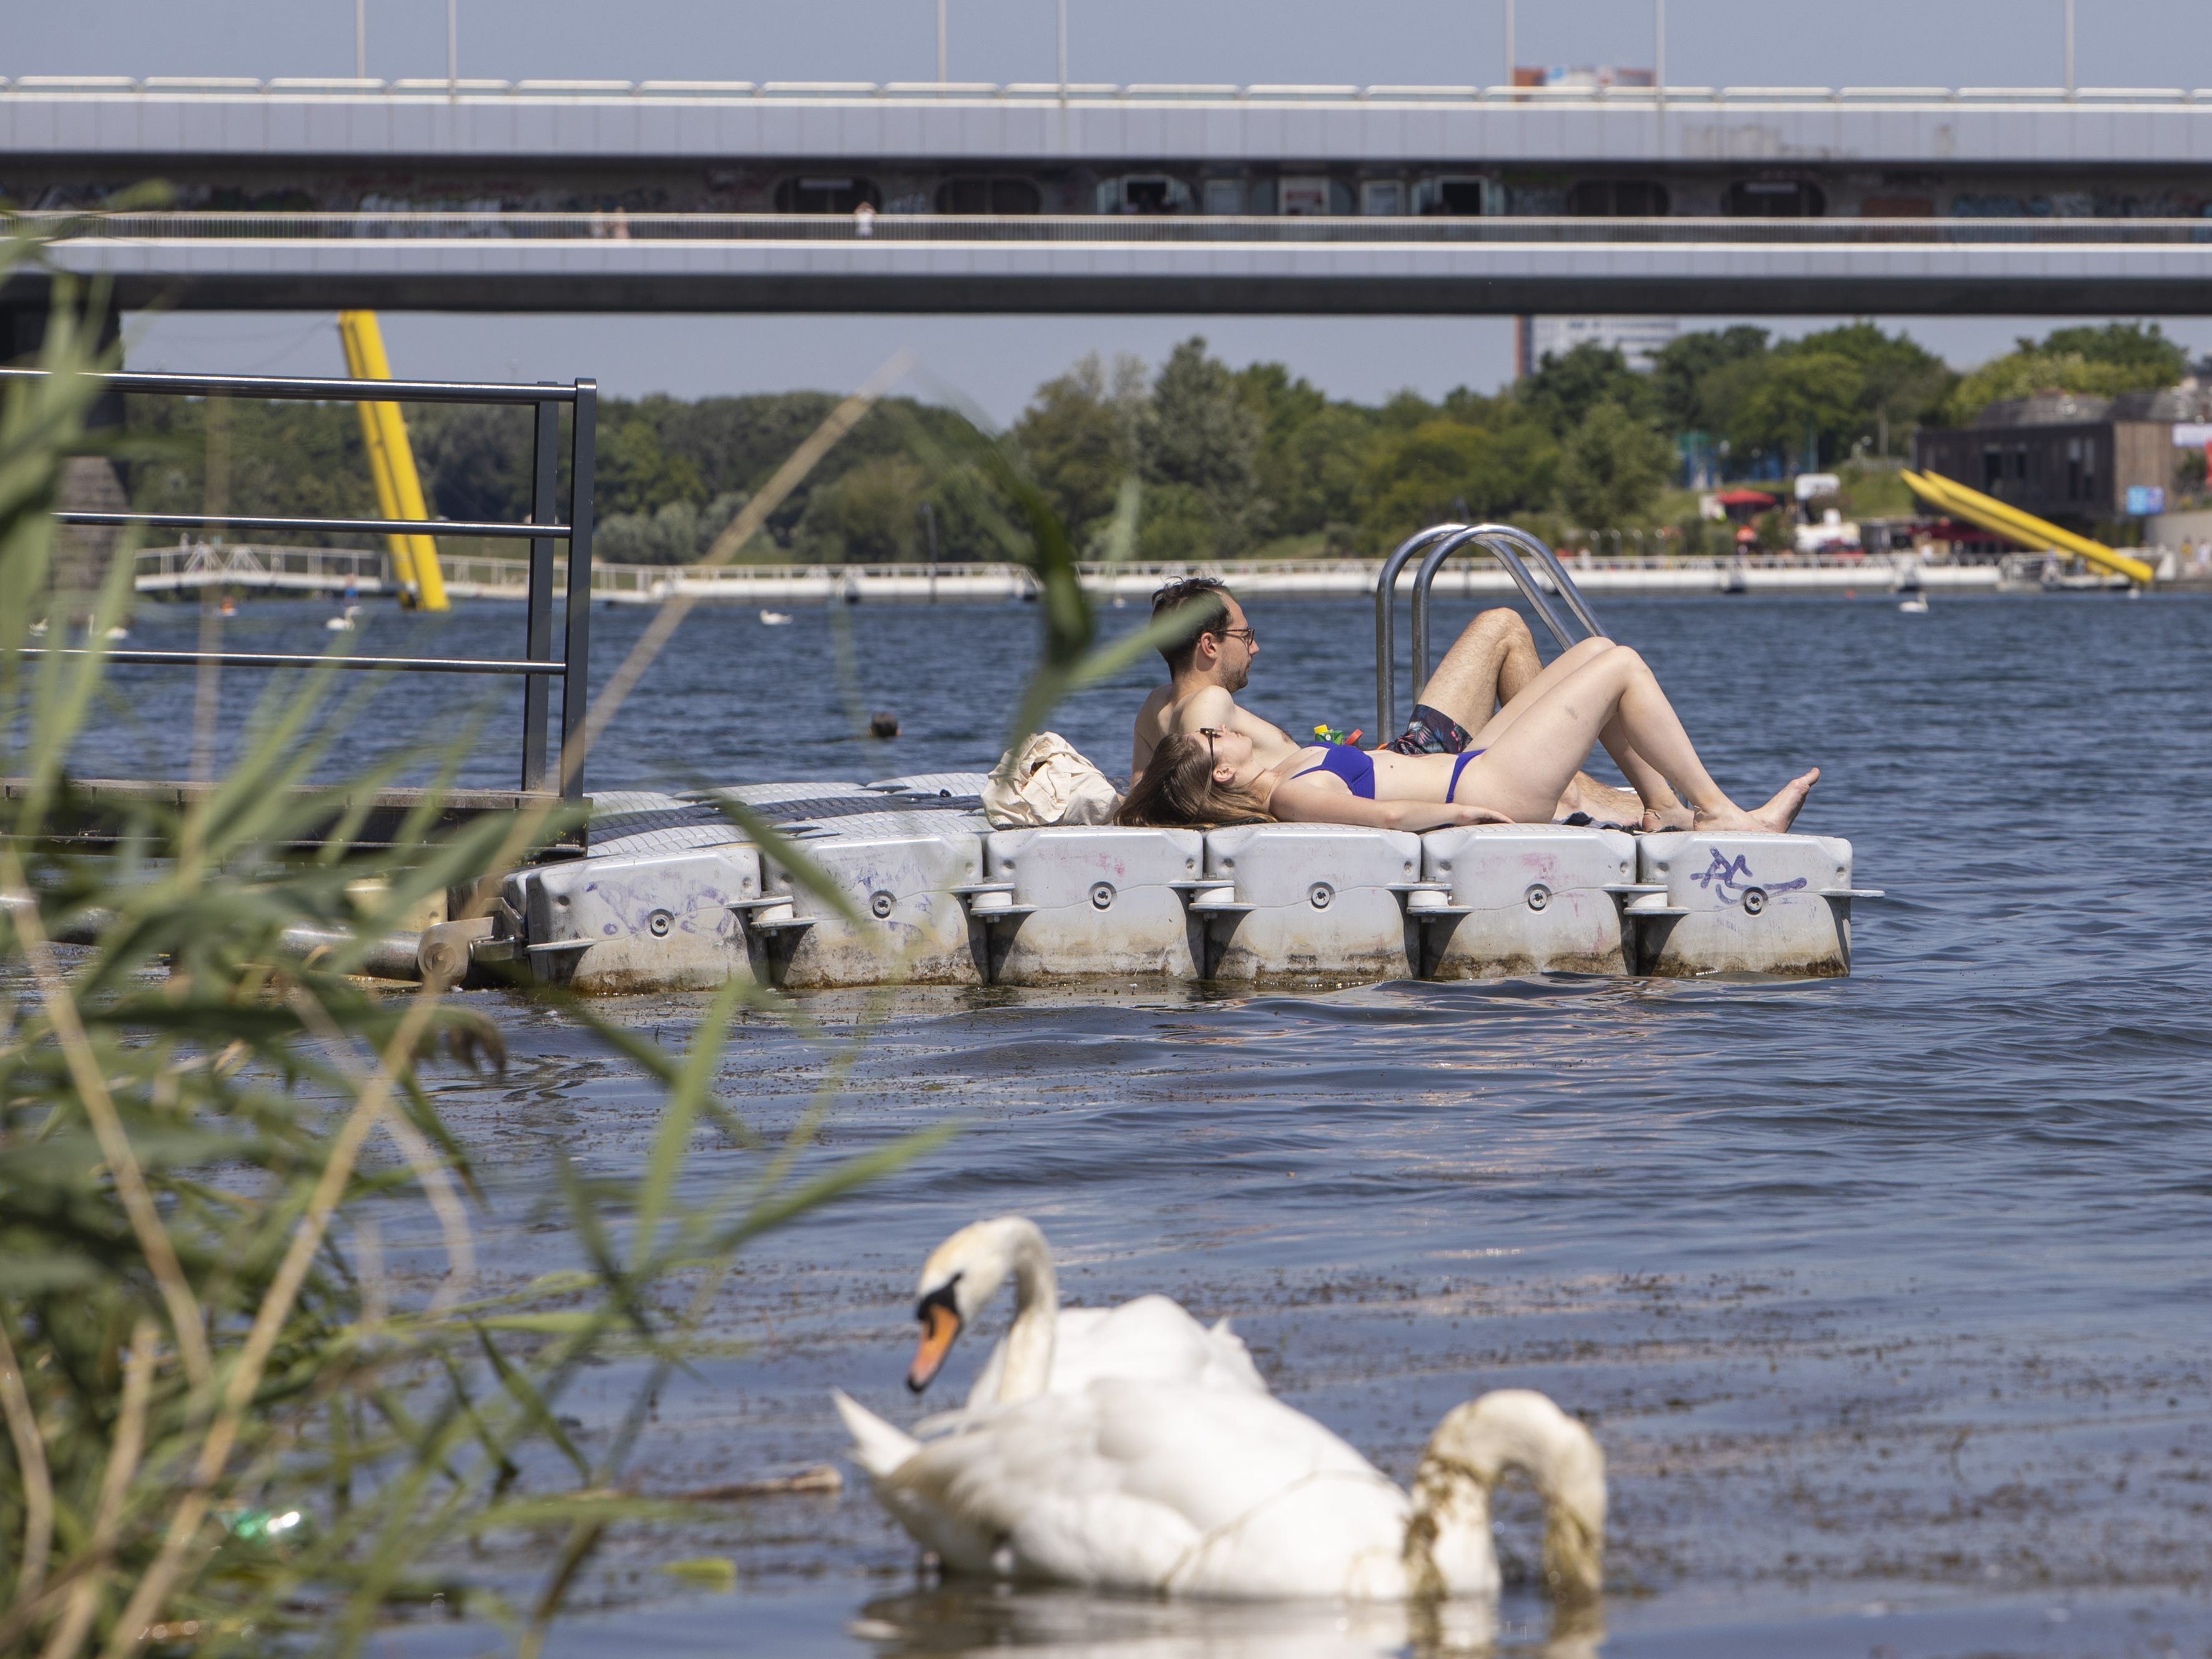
940, 1326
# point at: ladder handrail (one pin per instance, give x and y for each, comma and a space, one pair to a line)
1480, 537
1556, 569
1386, 645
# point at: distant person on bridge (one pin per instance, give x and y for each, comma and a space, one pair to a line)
1200, 758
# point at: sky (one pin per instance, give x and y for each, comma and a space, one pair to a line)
995, 363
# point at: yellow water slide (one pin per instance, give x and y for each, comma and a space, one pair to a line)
1954, 498
392, 463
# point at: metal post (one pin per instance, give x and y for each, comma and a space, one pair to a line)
929, 526
577, 682
545, 507
1510, 59
1659, 48
941, 76
2069, 48
361, 40
453, 48
1063, 51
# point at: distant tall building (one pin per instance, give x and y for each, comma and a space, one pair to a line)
1636, 338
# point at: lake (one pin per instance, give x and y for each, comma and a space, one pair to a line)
1886, 1296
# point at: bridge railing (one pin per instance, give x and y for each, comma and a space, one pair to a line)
888, 227
473, 90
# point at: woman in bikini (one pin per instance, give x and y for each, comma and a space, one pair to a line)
1528, 751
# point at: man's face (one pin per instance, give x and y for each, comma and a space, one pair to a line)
1235, 645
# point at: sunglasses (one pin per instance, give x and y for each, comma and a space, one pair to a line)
1250, 636
1210, 733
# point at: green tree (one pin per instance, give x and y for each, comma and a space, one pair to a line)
869, 516
1078, 435
1614, 467
1801, 393
1198, 432
1901, 382
636, 475
1442, 468
1681, 368
2142, 347
2093, 362
1567, 386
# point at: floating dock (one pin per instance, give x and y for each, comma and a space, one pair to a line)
672, 896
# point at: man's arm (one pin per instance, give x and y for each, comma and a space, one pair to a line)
1209, 706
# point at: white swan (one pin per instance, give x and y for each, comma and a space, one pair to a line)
1056, 1349
775, 618
1169, 1489
347, 623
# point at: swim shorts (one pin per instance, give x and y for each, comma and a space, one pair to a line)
1431, 732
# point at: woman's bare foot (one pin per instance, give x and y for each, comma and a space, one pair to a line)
1776, 816
1677, 817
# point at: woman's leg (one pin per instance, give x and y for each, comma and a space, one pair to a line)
1522, 773
1650, 786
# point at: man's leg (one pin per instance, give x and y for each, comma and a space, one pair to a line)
1492, 659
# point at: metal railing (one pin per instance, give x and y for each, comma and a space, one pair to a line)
480, 90
66, 225
1503, 543
542, 766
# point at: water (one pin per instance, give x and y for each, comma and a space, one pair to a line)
1886, 1296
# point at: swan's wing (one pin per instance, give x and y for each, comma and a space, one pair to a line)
1121, 1484
877, 1446
1150, 1339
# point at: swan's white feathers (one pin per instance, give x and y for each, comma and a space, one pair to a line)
1151, 1487
1150, 1339
877, 1446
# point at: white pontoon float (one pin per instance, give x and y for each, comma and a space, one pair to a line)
671, 896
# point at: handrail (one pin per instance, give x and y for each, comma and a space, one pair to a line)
1386, 618
314, 388
1499, 541
543, 766
1531, 589
1565, 583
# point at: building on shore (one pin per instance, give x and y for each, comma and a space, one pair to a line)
2071, 458
1638, 339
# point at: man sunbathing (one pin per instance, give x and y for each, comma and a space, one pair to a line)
1494, 661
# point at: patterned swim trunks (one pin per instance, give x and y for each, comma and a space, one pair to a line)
1431, 732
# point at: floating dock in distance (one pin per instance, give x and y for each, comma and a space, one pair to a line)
671, 896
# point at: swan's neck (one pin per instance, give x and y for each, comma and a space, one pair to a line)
1448, 1544
1037, 1319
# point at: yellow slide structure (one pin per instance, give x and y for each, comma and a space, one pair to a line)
392, 463
1960, 502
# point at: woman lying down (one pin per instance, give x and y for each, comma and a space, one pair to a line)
1512, 772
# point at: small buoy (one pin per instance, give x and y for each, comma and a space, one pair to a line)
119, 633
39, 629
229, 605
775, 618
883, 724
1915, 607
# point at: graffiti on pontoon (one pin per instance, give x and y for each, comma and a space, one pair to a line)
1731, 878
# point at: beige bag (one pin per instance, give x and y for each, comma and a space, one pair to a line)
1044, 782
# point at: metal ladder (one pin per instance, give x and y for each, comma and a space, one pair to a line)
1503, 543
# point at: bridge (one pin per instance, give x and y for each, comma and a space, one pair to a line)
698, 196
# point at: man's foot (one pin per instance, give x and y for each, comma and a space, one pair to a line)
1677, 817
1776, 816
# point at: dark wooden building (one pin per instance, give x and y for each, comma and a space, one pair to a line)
2062, 455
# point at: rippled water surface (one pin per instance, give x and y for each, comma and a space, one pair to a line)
1887, 1297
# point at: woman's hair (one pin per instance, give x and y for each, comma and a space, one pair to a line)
1178, 791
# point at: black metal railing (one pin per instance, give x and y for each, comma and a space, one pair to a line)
542, 767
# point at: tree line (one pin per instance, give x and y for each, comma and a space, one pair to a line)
1195, 459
